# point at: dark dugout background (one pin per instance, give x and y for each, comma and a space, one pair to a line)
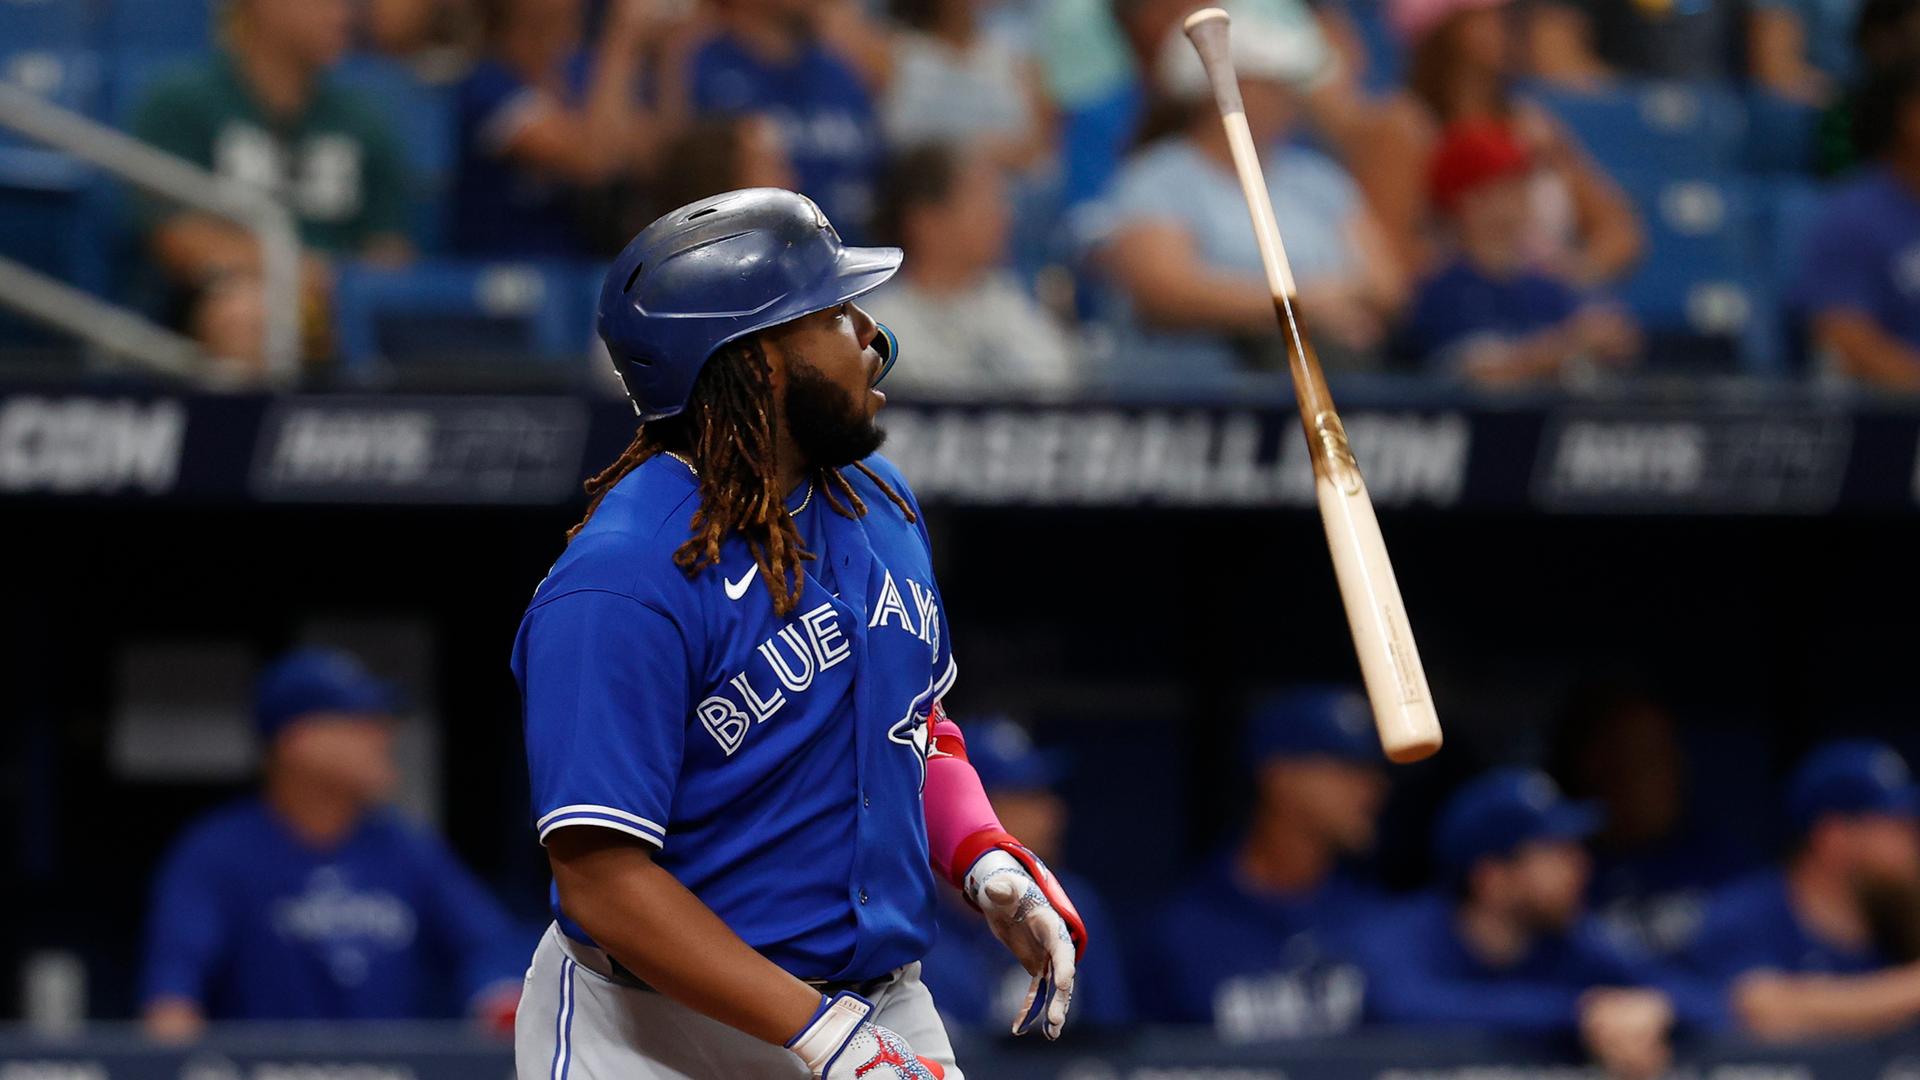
1132, 635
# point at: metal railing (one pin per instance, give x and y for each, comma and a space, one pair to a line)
117, 329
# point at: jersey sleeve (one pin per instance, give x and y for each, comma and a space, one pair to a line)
186, 926
495, 107
1839, 269
606, 683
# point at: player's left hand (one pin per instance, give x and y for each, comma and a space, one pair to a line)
1030, 913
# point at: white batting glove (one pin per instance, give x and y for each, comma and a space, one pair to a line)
1031, 915
842, 1044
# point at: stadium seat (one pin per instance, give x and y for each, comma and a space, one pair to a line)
1700, 287
423, 120
451, 310
45, 24
69, 78
1789, 208
130, 74
1691, 128
49, 205
158, 26
1782, 135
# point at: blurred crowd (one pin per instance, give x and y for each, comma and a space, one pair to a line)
1593, 910
1058, 174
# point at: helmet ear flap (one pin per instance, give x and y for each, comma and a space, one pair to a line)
887, 344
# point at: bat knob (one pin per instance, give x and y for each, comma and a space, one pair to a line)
1204, 16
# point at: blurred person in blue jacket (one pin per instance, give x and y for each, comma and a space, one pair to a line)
973, 977
545, 122
1260, 946
1859, 286
313, 901
1829, 944
1508, 949
798, 62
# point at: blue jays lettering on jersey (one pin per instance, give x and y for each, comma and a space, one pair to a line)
977, 982
1419, 971
825, 116
1751, 924
777, 763
1259, 966
254, 924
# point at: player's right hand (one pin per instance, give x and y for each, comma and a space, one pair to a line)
840, 1043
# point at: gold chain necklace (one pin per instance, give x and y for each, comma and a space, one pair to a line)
804, 503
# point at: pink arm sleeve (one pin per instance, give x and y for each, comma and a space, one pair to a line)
960, 820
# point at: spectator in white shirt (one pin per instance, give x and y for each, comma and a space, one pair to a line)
966, 324
954, 80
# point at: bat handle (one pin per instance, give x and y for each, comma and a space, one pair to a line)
1209, 30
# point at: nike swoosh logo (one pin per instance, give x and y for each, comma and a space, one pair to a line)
738, 589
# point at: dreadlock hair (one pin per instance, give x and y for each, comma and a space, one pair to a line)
728, 432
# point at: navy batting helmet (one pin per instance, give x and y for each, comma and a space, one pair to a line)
717, 270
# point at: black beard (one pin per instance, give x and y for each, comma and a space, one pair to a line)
825, 423
1893, 916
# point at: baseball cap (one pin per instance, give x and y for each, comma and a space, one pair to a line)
1003, 754
1852, 776
1472, 153
315, 680
1263, 47
1324, 721
1413, 20
1499, 811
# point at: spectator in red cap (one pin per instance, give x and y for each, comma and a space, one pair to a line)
1463, 59
1492, 315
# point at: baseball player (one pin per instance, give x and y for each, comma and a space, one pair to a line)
732, 682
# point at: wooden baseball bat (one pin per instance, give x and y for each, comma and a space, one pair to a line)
1389, 662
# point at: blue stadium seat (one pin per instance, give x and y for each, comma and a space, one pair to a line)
1093, 139
1789, 209
1782, 135
423, 120
447, 309
45, 24
1692, 128
48, 200
69, 78
130, 74
1700, 280
158, 26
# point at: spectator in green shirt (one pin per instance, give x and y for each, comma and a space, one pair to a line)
264, 112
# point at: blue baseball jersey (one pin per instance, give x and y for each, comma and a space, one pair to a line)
1420, 971
253, 923
824, 112
978, 983
1259, 966
1751, 924
1657, 894
775, 761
